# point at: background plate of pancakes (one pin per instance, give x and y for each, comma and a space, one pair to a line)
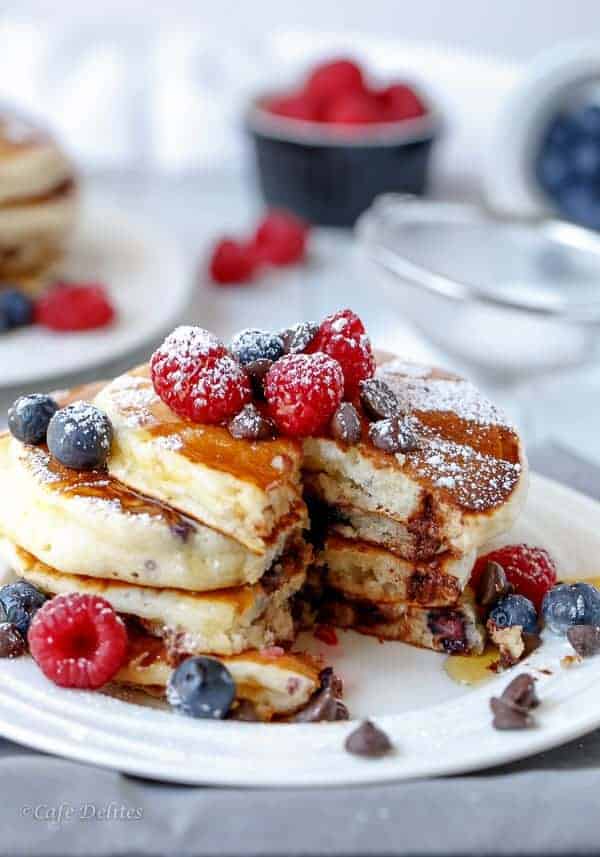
438, 726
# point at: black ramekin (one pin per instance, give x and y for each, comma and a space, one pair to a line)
329, 175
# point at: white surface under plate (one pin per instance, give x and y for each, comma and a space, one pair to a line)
144, 274
438, 727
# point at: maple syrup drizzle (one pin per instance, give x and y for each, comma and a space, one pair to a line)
472, 669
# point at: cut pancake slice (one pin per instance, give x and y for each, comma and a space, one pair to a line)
363, 570
239, 488
277, 684
86, 522
464, 483
225, 622
454, 629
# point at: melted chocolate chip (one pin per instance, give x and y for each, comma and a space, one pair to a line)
585, 639
250, 424
323, 706
449, 627
12, 644
493, 585
182, 529
271, 579
521, 691
369, 741
345, 424
257, 370
394, 435
296, 339
245, 712
378, 400
507, 715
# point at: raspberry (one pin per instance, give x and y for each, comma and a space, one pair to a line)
232, 262
71, 306
281, 238
195, 376
297, 106
326, 634
354, 108
78, 640
331, 79
303, 392
530, 570
400, 102
342, 336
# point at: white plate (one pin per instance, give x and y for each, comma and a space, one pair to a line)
147, 281
438, 727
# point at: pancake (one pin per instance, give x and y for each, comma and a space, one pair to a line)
240, 488
86, 522
363, 570
276, 683
224, 622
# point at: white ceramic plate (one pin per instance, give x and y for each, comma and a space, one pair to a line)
438, 726
146, 278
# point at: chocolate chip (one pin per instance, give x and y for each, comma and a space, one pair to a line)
507, 715
245, 712
182, 529
393, 435
250, 424
341, 711
12, 644
378, 400
328, 678
521, 691
272, 578
345, 424
297, 339
257, 370
323, 706
585, 639
493, 585
368, 740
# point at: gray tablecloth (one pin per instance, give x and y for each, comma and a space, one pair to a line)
545, 805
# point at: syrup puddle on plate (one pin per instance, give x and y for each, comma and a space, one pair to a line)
472, 669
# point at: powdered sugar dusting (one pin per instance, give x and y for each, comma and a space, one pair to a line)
133, 396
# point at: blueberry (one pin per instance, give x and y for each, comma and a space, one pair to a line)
571, 604
29, 417
588, 119
21, 601
201, 687
79, 436
561, 133
586, 159
16, 309
581, 204
515, 610
253, 344
552, 171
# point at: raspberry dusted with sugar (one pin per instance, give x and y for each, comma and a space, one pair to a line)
530, 570
195, 376
303, 392
70, 306
333, 79
232, 262
281, 239
78, 640
342, 336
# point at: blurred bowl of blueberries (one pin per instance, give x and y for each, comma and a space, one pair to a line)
328, 147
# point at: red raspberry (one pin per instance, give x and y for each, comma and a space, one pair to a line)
78, 640
331, 79
326, 634
195, 376
303, 392
354, 108
400, 102
530, 570
342, 336
297, 106
281, 238
232, 262
71, 306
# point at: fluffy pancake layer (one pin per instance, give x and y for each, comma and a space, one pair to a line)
277, 684
239, 488
86, 522
224, 622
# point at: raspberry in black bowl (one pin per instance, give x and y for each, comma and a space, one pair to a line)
327, 149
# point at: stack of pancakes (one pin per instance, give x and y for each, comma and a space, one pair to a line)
195, 538
398, 534
37, 202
